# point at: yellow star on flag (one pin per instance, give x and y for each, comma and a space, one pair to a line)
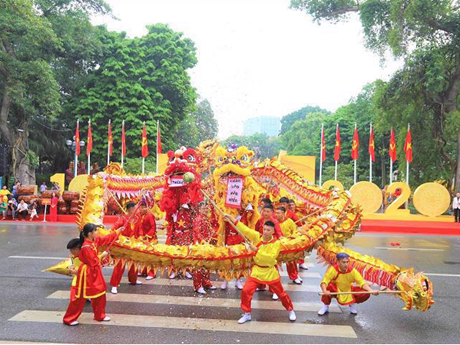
181, 222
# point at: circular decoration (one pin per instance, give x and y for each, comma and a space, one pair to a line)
431, 199
367, 195
79, 183
333, 183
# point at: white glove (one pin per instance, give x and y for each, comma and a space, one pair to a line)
249, 207
185, 206
238, 218
174, 216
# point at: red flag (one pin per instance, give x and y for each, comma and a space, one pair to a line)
123, 139
77, 138
392, 150
158, 138
408, 146
372, 144
89, 145
337, 144
110, 139
145, 148
323, 145
355, 145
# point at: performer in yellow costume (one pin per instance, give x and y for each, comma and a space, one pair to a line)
264, 269
340, 278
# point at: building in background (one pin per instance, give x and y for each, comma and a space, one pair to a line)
263, 125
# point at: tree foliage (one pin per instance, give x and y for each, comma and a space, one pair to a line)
288, 120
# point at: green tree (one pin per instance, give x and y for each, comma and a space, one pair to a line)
288, 120
137, 80
426, 33
262, 145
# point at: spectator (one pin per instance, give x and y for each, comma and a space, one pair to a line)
456, 207
12, 206
57, 188
4, 192
23, 210
33, 210
15, 190
4, 207
43, 187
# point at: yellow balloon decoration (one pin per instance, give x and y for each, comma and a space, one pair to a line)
333, 183
431, 199
367, 195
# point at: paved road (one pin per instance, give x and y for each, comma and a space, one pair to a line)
164, 311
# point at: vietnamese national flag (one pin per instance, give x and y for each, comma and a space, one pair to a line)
372, 144
408, 146
77, 138
355, 145
145, 148
158, 138
337, 144
110, 139
323, 145
89, 145
392, 150
123, 139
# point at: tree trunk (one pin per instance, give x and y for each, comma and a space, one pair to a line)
457, 173
22, 169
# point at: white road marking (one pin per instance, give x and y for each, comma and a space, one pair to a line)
411, 249
166, 322
202, 302
442, 275
36, 257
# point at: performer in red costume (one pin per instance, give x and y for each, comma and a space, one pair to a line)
203, 232
146, 227
181, 196
127, 223
266, 215
90, 281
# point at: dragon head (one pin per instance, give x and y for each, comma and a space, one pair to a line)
417, 290
232, 161
182, 163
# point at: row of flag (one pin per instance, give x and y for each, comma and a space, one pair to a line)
89, 143
355, 150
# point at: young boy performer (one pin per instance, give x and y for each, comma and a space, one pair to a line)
128, 224
202, 232
288, 228
340, 278
90, 281
74, 247
264, 268
267, 214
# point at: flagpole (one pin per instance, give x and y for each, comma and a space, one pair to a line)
158, 155
335, 172
354, 175
75, 171
407, 165
370, 158
108, 149
123, 130
321, 156
143, 165
89, 154
391, 171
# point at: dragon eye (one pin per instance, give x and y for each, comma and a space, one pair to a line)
244, 157
191, 158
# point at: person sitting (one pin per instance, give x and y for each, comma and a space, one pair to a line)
23, 210
12, 206
340, 278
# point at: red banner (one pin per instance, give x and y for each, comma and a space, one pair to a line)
337, 144
77, 138
372, 144
145, 148
408, 146
89, 145
392, 150
323, 145
355, 145
110, 139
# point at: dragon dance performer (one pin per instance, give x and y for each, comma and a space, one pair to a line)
288, 204
264, 270
146, 227
181, 231
288, 227
267, 214
203, 232
128, 224
340, 278
90, 282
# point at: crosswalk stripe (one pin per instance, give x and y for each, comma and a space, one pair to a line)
188, 282
202, 302
150, 321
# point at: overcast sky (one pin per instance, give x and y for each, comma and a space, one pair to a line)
258, 57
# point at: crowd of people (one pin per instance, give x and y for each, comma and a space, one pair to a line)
12, 205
